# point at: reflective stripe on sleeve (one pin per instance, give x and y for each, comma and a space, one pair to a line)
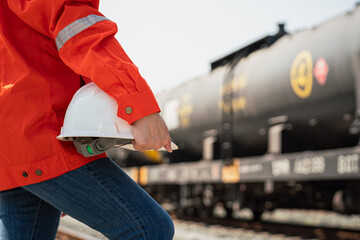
76, 27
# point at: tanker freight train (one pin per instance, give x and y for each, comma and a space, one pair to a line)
304, 82
280, 117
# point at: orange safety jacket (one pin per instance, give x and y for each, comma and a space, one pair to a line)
46, 48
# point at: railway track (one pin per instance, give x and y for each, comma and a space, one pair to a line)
242, 228
281, 230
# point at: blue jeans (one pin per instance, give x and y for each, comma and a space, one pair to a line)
98, 194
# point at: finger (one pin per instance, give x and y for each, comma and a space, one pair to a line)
168, 147
137, 147
157, 147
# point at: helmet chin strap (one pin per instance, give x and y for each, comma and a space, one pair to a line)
92, 146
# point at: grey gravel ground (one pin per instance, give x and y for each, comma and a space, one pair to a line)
190, 231
198, 231
314, 218
72, 223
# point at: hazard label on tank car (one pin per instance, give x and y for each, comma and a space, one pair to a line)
301, 74
321, 70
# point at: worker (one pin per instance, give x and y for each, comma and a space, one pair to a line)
48, 50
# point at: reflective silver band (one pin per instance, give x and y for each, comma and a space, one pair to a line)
76, 27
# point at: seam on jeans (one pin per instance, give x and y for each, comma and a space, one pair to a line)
140, 225
36, 219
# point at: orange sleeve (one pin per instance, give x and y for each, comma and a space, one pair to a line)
86, 43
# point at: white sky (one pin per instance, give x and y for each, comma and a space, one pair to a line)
175, 41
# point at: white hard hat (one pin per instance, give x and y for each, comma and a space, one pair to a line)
91, 121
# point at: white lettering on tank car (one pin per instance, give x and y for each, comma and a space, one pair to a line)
154, 174
171, 175
251, 168
348, 164
193, 174
280, 167
184, 175
309, 165
215, 172
205, 175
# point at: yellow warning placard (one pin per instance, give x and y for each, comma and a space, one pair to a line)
301, 74
134, 174
231, 173
143, 180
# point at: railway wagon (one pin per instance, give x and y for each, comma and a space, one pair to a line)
305, 81
274, 124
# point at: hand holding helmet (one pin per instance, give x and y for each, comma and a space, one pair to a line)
92, 124
151, 133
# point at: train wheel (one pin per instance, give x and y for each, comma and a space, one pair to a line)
205, 212
257, 214
180, 212
229, 212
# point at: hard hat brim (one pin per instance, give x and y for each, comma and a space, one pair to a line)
69, 136
131, 147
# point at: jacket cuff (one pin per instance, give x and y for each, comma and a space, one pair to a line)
137, 106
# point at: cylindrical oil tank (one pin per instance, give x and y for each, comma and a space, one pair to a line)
305, 80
